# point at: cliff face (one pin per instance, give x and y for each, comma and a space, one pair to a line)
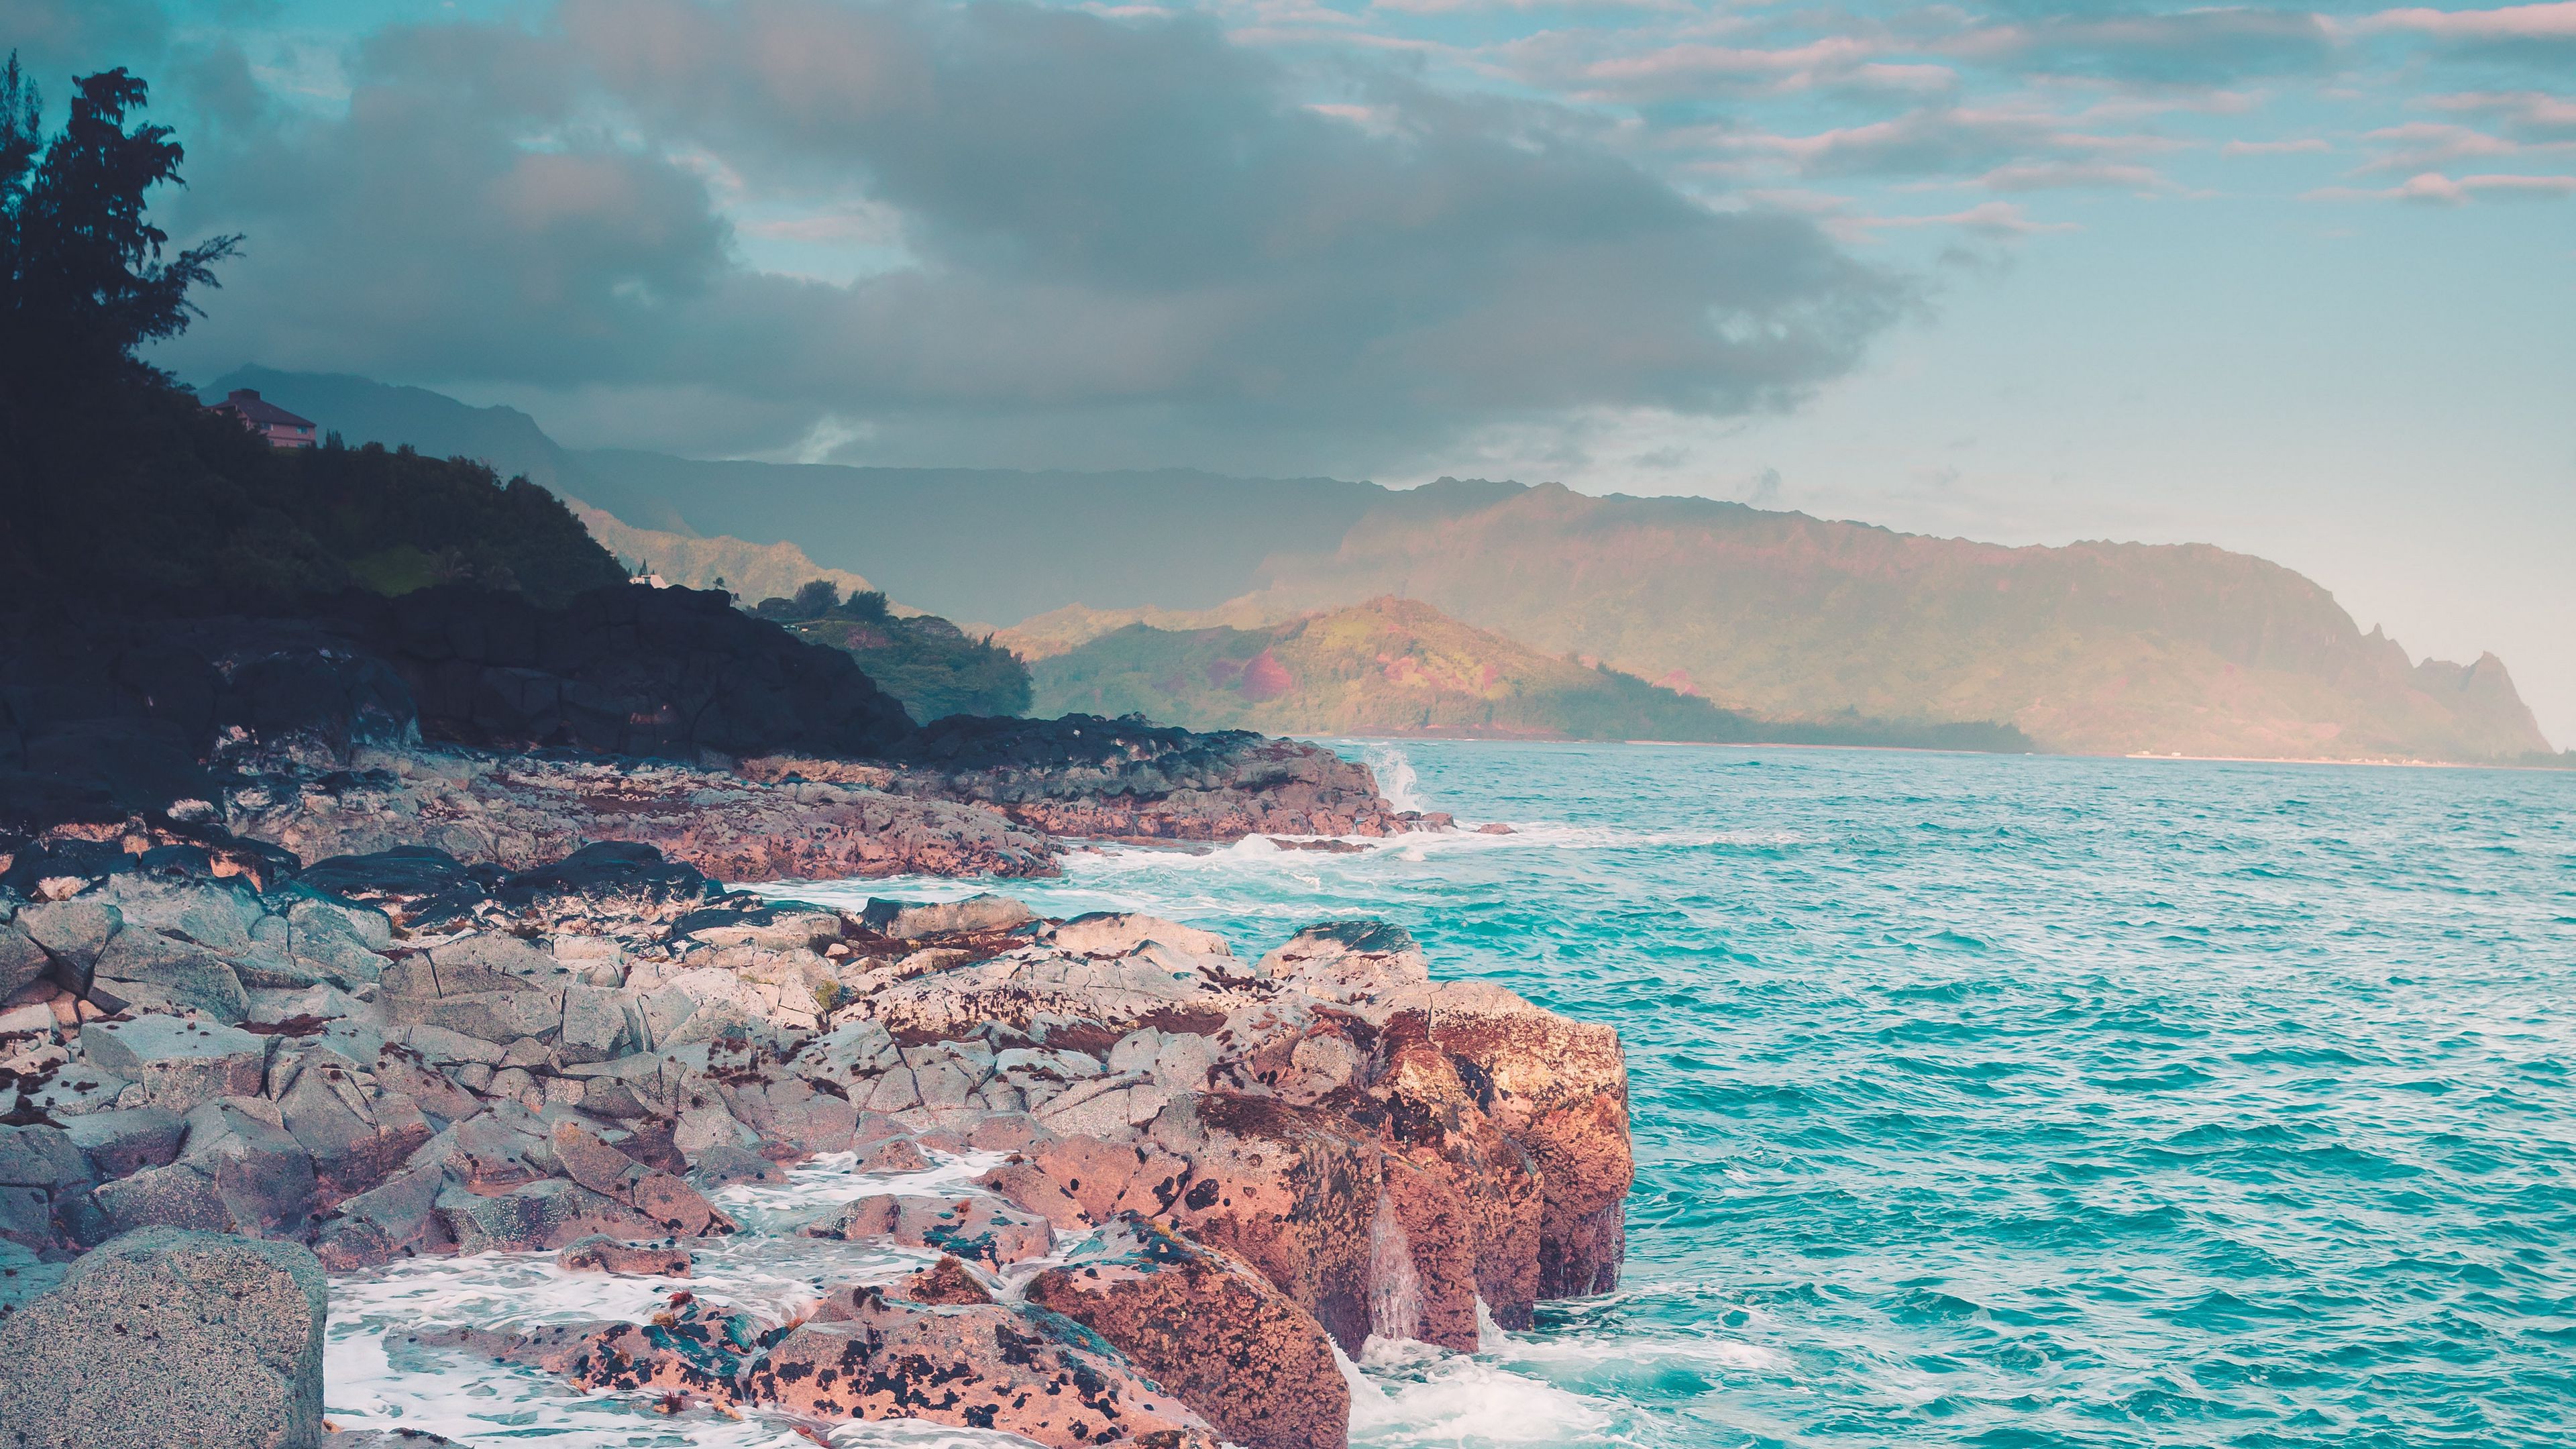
2093, 647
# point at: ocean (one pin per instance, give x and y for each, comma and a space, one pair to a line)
1978, 1100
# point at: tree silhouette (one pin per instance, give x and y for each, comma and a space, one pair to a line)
83, 280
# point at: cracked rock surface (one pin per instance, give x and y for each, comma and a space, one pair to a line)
1141, 1186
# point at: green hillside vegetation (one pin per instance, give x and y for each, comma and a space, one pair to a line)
119, 488
1400, 667
746, 570
934, 667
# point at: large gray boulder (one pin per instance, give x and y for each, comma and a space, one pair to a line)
179, 1062
146, 970
165, 1337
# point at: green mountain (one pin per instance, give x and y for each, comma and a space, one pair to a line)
509, 442
1400, 667
935, 668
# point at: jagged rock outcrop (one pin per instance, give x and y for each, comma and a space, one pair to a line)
1209, 1328
1124, 779
1213, 1169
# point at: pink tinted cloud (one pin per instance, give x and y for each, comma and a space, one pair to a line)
2307, 144
2529, 112
2436, 188
2555, 21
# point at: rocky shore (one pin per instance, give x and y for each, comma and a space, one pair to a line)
1176, 1179
509, 735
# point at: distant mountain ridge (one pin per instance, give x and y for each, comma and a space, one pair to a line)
1400, 667
2091, 647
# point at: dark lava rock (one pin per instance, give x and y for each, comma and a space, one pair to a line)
612, 874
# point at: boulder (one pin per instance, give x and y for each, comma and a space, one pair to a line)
398, 1218
722, 1165
145, 970
1560, 1089
542, 1215
977, 1229
601, 1254
1348, 961
22, 961
120, 1143
1209, 1328
178, 1195
975, 915
354, 1130
982, 1367
41, 1174
72, 933
610, 876
164, 1337
179, 1062
261, 1174
946, 1282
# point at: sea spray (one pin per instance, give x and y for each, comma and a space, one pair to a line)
1395, 1290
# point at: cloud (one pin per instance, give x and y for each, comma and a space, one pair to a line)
2525, 113
2419, 146
2013, 150
1090, 241
2556, 21
2187, 47
2305, 144
1999, 220
2433, 187
2070, 175
1696, 68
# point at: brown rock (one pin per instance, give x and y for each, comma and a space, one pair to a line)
1026, 1185
947, 1281
983, 1367
1212, 1330
600, 1254
1560, 1089
974, 1228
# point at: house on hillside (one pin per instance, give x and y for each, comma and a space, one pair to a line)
282, 428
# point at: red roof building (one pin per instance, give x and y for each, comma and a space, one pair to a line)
282, 428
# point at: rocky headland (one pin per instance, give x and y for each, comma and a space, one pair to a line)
1167, 1182
507, 734
395, 929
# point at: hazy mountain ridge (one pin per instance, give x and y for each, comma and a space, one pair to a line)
2090, 647
2093, 647
1400, 667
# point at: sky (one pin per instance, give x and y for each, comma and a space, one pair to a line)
2300, 282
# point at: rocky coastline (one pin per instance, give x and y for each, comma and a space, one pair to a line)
396, 931
1197, 1175
509, 735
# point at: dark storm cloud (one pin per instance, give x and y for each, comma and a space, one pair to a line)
1105, 226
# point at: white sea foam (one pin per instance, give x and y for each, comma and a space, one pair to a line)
1412, 1396
379, 1375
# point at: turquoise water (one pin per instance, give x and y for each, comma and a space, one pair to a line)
2006, 1101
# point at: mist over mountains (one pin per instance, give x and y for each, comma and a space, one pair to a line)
2091, 647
